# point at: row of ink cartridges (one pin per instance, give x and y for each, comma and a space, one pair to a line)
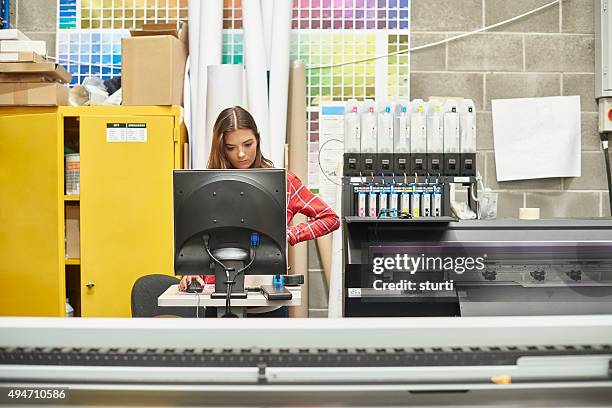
413, 200
435, 137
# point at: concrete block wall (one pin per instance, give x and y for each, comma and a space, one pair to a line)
37, 19
549, 53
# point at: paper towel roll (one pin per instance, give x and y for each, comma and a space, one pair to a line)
529, 213
298, 165
279, 79
255, 63
210, 43
224, 89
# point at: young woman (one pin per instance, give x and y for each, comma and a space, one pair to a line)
236, 144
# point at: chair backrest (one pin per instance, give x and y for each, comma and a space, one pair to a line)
145, 292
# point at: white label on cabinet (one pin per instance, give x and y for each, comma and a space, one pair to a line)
126, 132
115, 132
136, 132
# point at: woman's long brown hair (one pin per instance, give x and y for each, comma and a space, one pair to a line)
231, 119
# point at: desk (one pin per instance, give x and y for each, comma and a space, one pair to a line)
173, 297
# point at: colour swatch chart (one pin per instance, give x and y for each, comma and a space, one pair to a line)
351, 14
344, 44
90, 52
380, 79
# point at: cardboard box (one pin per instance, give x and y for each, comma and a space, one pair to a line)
39, 47
158, 29
33, 72
33, 94
153, 66
21, 57
73, 234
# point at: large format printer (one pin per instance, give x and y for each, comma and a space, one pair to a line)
501, 361
539, 267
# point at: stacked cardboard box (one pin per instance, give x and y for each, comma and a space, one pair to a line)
153, 65
26, 77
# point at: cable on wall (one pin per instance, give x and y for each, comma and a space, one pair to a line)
434, 44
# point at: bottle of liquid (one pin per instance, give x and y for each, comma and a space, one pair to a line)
69, 309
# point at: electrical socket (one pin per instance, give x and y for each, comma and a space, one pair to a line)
605, 115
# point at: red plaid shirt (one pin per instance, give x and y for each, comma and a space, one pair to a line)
300, 199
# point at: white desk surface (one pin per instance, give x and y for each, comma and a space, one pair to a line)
173, 297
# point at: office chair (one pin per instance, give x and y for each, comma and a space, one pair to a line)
145, 292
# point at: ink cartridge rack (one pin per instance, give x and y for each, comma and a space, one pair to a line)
387, 198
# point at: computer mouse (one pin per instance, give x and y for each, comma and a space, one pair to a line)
195, 287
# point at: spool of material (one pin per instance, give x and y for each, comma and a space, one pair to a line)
186, 158
210, 43
296, 125
267, 15
529, 213
192, 62
279, 78
298, 165
324, 246
187, 108
224, 89
255, 63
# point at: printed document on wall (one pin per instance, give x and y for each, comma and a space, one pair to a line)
536, 137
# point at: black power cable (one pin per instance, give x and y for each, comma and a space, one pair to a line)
229, 283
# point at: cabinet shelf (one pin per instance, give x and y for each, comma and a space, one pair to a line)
73, 261
72, 198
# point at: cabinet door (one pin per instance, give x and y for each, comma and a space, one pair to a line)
31, 216
126, 208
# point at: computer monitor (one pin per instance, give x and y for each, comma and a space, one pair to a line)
235, 218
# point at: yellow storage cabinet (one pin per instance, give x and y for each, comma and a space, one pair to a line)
31, 216
125, 206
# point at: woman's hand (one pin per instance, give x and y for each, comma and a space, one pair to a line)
291, 235
186, 280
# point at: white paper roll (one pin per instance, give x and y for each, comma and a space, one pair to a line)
194, 52
267, 13
187, 109
255, 62
210, 43
224, 90
279, 80
245, 91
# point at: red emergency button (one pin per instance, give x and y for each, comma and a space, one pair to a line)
610, 115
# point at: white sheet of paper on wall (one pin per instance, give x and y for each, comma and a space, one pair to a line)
536, 137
